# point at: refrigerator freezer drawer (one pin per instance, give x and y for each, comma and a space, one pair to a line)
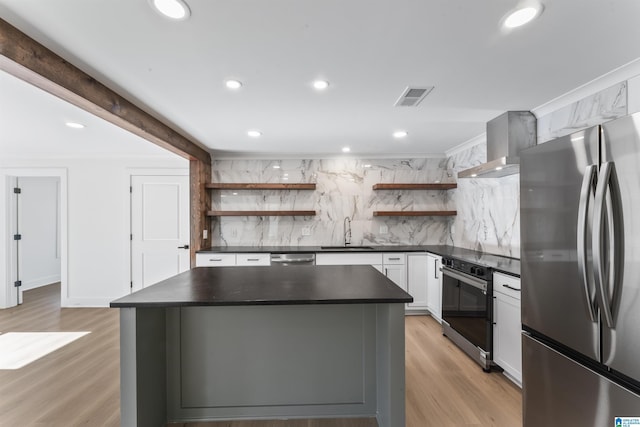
558, 391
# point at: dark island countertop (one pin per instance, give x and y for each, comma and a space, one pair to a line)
234, 286
496, 262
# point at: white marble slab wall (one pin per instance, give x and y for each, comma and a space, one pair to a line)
608, 104
488, 217
343, 189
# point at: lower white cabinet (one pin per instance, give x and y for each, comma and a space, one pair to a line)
253, 259
226, 259
392, 264
434, 286
507, 330
417, 266
215, 260
394, 267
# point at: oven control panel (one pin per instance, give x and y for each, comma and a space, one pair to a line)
467, 267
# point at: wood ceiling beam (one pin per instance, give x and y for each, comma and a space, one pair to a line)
30, 61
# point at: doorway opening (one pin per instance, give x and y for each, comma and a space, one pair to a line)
36, 232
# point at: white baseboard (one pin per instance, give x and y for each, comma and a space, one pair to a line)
86, 302
40, 281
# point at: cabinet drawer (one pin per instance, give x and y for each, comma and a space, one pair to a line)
215, 260
393, 258
253, 259
506, 285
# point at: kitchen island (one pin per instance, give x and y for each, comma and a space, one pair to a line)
264, 343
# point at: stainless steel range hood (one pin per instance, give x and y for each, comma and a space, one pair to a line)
507, 135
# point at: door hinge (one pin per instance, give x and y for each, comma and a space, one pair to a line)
17, 283
130, 189
17, 237
130, 236
17, 190
131, 285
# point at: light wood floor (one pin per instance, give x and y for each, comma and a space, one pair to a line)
78, 385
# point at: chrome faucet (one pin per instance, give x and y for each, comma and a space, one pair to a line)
347, 231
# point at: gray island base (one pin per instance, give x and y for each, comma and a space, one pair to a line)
231, 343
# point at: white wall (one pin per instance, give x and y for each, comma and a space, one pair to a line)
39, 226
98, 224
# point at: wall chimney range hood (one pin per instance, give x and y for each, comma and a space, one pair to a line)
507, 135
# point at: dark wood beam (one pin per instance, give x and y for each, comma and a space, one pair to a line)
200, 175
28, 60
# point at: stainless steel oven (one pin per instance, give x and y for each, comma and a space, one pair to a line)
467, 309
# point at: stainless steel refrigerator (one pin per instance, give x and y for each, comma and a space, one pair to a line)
580, 242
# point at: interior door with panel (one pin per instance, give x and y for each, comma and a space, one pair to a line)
159, 228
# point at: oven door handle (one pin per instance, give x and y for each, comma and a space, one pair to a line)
469, 280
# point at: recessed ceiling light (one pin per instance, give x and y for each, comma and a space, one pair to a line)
346, 149
473, 175
400, 134
524, 14
276, 166
233, 84
174, 9
75, 125
498, 168
321, 84
234, 193
367, 166
254, 133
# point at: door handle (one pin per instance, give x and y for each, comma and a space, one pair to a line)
183, 247
612, 207
588, 183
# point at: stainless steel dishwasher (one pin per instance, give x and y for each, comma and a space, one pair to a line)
293, 259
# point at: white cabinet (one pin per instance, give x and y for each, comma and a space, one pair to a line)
215, 260
434, 286
253, 259
392, 264
507, 338
341, 258
417, 267
394, 267
226, 259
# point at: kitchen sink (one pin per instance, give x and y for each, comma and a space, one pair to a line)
348, 248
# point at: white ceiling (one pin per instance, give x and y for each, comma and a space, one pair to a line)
369, 50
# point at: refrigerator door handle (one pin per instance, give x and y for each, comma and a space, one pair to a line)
586, 191
612, 271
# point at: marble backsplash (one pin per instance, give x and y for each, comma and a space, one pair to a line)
488, 217
343, 189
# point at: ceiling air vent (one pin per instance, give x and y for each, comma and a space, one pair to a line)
412, 96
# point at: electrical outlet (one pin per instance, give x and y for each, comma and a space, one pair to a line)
205, 234
306, 231
384, 229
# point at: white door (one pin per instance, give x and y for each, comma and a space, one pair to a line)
159, 228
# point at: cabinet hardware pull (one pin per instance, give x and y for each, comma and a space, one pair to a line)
215, 259
394, 259
253, 259
511, 287
435, 268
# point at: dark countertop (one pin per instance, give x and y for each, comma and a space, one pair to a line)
233, 286
496, 262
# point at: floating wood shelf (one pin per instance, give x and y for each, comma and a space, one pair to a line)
434, 186
260, 186
415, 213
261, 213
